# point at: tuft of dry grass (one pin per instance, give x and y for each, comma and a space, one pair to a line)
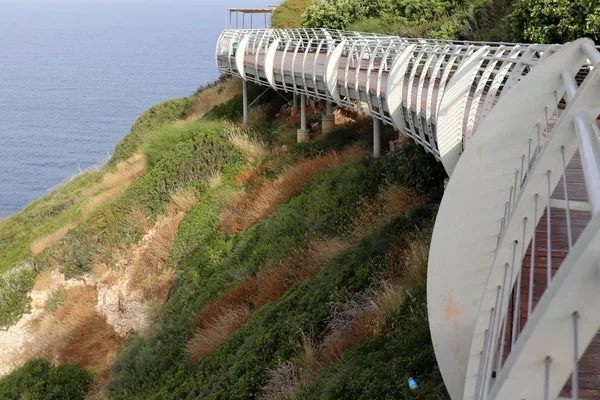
209, 338
393, 201
202, 102
386, 302
183, 201
245, 176
253, 150
43, 243
125, 173
415, 263
76, 333
215, 180
282, 383
264, 198
149, 273
257, 116
309, 363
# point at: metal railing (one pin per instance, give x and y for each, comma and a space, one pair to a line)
513, 272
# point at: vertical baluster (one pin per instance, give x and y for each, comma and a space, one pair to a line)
528, 154
503, 337
532, 263
547, 363
490, 348
575, 375
516, 187
480, 374
567, 208
549, 235
500, 312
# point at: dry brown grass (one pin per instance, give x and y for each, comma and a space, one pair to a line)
43, 243
251, 293
386, 302
282, 383
210, 97
253, 150
264, 198
415, 263
245, 176
209, 338
183, 201
76, 333
309, 362
257, 116
215, 180
113, 183
393, 201
149, 273
45, 280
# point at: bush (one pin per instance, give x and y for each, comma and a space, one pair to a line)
413, 167
372, 25
555, 21
14, 285
289, 14
335, 14
39, 380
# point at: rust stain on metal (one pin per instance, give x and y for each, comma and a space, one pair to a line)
459, 353
451, 311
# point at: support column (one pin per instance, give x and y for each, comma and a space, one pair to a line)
295, 104
327, 119
376, 138
245, 96
303, 134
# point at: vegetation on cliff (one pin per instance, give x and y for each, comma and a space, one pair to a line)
209, 260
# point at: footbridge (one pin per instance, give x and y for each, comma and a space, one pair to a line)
514, 265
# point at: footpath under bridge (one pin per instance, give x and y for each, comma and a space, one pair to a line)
514, 265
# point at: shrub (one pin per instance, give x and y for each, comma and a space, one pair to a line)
555, 21
289, 14
371, 25
38, 379
413, 167
335, 14
14, 285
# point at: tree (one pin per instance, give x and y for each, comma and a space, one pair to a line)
555, 21
289, 14
335, 14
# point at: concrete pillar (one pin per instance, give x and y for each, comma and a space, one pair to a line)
327, 119
245, 96
295, 104
303, 134
376, 138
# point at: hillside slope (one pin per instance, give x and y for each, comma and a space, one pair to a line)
211, 261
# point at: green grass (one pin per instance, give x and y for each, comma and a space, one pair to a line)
379, 368
210, 262
237, 370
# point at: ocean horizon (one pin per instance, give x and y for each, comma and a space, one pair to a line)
74, 76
